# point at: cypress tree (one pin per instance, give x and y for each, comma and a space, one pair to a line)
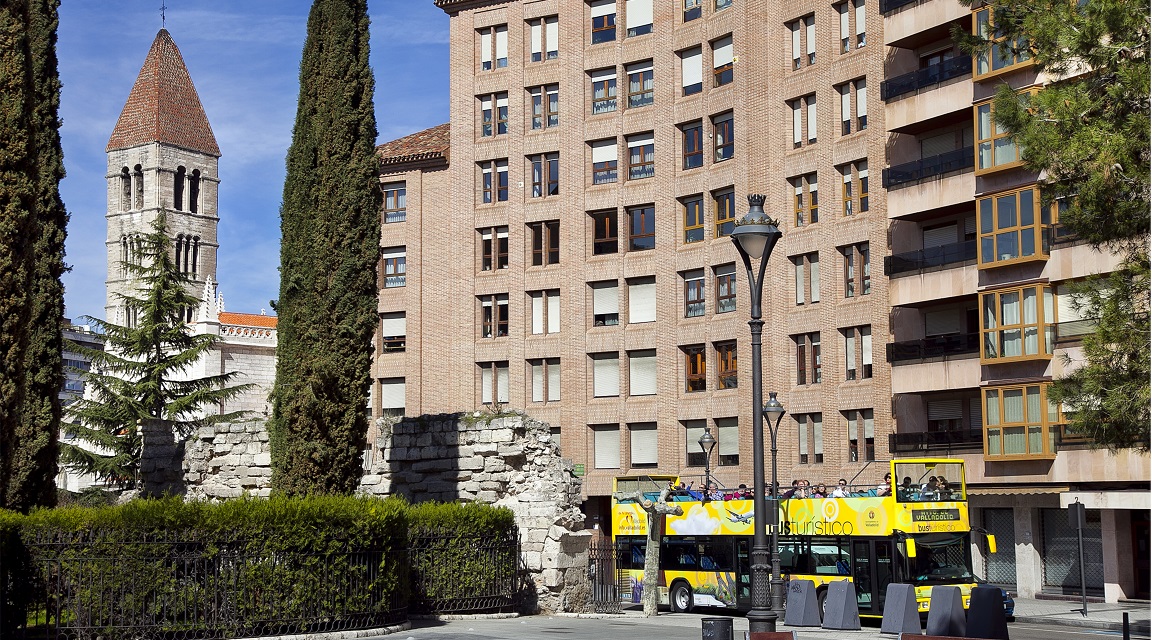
33, 461
330, 225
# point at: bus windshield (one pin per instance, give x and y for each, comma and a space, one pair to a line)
941, 558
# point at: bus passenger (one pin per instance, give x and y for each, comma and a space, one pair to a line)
906, 491
945, 490
885, 488
820, 491
931, 490
841, 490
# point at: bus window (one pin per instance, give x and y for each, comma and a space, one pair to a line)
942, 558
679, 555
630, 553
716, 554
795, 556
831, 555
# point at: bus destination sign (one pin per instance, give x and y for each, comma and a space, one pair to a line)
935, 515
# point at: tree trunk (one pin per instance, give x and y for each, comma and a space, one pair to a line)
656, 511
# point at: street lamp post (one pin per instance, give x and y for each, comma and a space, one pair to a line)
773, 412
755, 235
707, 443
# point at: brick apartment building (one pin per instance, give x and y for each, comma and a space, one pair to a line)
560, 248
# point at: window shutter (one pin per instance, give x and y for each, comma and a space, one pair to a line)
537, 40
859, 19
941, 323
501, 43
502, 384
392, 252
811, 117
844, 29
486, 383
975, 417
607, 444
795, 27
945, 409
869, 424
970, 226
642, 373
861, 97
936, 145
605, 376
393, 324
818, 434
693, 431
691, 72
537, 312
604, 150
866, 346
603, 8
552, 34
810, 33
722, 52
605, 298
644, 443
392, 393
846, 101
553, 380
640, 140
802, 435
799, 279
642, 301
553, 311
939, 236
638, 13
486, 46
797, 122
601, 76
538, 381
814, 271
728, 431
486, 103
502, 101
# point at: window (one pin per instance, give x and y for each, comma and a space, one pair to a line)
806, 203
858, 349
853, 26
603, 91
723, 202
395, 202
1003, 54
494, 47
394, 267
493, 248
995, 149
643, 444
722, 61
392, 392
641, 300
807, 281
603, 20
859, 421
693, 133
853, 106
728, 447
692, 10
545, 242
693, 431
605, 303
1020, 421
544, 33
494, 181
493, 315
605, 232
642, 228
641, 156
393, 330
723, 4
857, 270
493, 121
693, 293
726, 374
1017, 323
545, 311
605, 374
642, 372
545, 174
803, 121
691, 71
639, 84
187, 253
606, 445
803, 32
138, 187
604, 161
810, 429
695, 369
855, 194
545, 106
493, 381
638, 17
545, 376
723, 136
725, 288
1012, 227
808, 361
693, 218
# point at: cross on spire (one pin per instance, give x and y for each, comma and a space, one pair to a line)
163, 7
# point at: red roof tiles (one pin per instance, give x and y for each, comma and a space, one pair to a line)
163, 105
247, 319
423, 145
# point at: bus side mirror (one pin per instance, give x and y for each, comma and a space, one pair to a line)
991, 543
910, 547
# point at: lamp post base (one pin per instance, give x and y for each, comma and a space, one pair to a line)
762, 621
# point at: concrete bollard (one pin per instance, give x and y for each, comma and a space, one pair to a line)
841, 611
900, 612
803, 609
986, 617
946, 613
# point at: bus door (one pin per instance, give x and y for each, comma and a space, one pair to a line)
743, 573
872, 568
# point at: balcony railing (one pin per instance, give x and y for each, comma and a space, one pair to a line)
892, 5
931, 257
936, 440
957, 160
1074, 329
926, 77
934, 347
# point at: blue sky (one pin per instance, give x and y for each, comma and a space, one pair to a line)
244, 57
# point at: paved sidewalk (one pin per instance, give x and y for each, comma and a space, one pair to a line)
1100, 615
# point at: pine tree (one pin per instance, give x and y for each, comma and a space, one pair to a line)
31, 481
140, 374
1087, 133
330, 224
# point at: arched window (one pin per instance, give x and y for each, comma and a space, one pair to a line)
125, 189
138, 179
180, 253
178, 188
195, 255
125, 253
194, 191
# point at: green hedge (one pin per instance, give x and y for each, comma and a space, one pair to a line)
250, 566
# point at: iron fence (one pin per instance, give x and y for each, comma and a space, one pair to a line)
451, 574
605, 593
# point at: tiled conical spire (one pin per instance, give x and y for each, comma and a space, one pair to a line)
163, 106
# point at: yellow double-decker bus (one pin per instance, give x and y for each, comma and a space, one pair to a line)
914, 530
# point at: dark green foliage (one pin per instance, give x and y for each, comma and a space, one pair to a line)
330, 224
1089, 134
32, 227
140, 373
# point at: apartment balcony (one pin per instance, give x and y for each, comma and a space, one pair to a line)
953, 371
945, 99
921, 259
1073, 330
926, 77
907, 23
926, 441
930, 167
948, 190
934, 347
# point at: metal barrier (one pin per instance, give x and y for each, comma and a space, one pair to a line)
454, 575
605, 593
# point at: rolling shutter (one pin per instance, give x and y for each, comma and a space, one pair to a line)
722, 52
642, 301
392, 393
811, 100
605, 298
602, 8
393, 324
553, 379
728, 431
691, 67
644, 443
642, 373
693, 431
939, 236
945, 409
607, 445
553, 311
941, 323
638, 13
604, 150
605, 376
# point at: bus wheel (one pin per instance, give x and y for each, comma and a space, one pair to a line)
821, 601
680, 600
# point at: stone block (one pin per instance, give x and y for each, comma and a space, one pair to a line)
262, 459
551, 577
501, 435
486, 496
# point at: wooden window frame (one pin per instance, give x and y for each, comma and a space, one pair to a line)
397, 267
606, 234
988, 211
725, 292
857, 274
994, 137
992, 337
809, 359
494, 323
641, 97
609, 88
494, 121
493, 251
647, 228
639, 166
545, 239
1049, 422
692, 136
854, 447
545, 114
695, 298
604, 28
724, 205
547, 167
398, 213
494, 183
723, 137
695, 369
727, 371
693, 207
806, 204
986, 28
692, 10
